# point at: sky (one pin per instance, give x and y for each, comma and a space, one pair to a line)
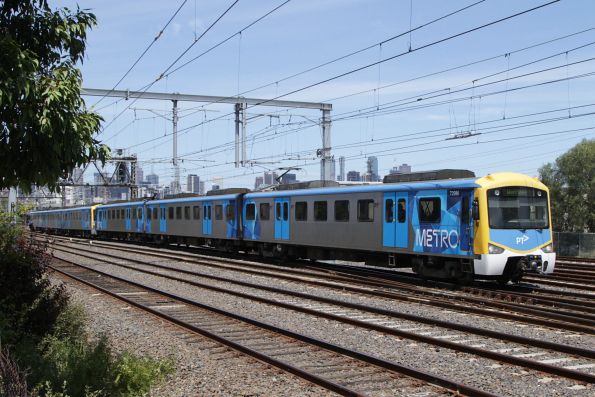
515, 94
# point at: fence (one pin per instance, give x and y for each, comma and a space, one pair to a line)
581, 245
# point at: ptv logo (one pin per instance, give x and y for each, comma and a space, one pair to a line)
522, 240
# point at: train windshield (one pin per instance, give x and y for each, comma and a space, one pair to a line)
518, 208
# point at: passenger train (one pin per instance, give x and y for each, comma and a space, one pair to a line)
494, 227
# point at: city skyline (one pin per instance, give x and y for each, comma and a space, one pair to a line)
487, 89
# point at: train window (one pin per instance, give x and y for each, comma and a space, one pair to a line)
301, 211
285, 211
265, 211
365, 210
320, 210
109, 214
117, 214
389, 213
149, 214
178, 212
342, 210
401, 211
205, 212
196, 212
122, 213
209, 215
250, 212
139, 212
278, 214
429, 209
133, 214
154, 212
170, 213
163, 213
187, 212
465, 210
230, 212
218, 212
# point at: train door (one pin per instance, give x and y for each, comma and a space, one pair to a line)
149, 220
102, 219
229, 207
466, 221
207, 219
282, 219
128, 220
140, 218
162, 219
249, 222
395, 230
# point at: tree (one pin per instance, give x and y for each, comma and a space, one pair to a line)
571, 180
45, 128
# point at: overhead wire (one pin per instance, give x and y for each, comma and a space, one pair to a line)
157, 37
162, 74
436, 42
451, 100
320, 65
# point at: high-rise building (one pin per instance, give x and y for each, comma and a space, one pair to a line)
341, 176
174, 187
140, 175
401, 169
333, 168
77, 191
153, 179
270, 178
372, 169
289, 178
258, 182
201, 188
193, 184
353, 176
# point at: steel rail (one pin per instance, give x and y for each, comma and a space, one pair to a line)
519, 361
441, 299
391, 366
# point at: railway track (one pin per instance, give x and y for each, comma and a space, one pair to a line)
396, 324
524, 293
344, 371
572, 317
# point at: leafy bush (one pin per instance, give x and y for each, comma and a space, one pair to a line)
133, 376
43, 338
29, 304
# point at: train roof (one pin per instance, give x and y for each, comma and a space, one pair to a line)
469, 183
62, 209
194, 199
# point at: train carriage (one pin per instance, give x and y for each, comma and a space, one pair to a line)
77, 220
497, 226
375, 223
193, 220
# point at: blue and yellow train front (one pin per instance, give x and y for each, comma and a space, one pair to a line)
513, 234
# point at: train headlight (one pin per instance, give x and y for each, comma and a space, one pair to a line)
494, 249
548, 249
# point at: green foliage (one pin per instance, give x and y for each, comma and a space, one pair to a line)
45, 128
45, 335
135, 375
571, 180
70, 358
87, 367
29, 305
